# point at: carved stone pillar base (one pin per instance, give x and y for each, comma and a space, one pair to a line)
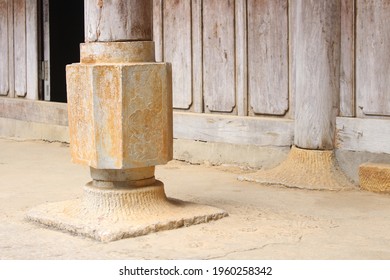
120, 123
306, 169
109, 214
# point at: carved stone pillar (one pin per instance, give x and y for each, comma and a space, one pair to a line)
120, 122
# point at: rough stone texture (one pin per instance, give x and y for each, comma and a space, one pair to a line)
120, 115
375, 177
132, 212
307, 169
120, 123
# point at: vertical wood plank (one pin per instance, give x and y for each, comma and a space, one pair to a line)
32, 49
158, 29
373, 57
4, 79
347, 61
292, 25
46, 50
177, 49
219, 55
11, 72
197, 80
241, 57
20, 55
268, 56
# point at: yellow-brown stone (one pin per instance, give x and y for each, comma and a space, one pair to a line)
120, 114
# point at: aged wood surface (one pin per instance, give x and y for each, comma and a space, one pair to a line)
11, 49
317, 73
32, 49
268, 56
177, 49
373, 57
292, 35
347, 59
46, 50
120, 20
233, 129
219, 55
197, 56
4, 55
158, 29
20, 48
241, 57
365, 135
34, 111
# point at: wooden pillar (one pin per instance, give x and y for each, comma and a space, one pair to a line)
311, 163
317, 56
119, 20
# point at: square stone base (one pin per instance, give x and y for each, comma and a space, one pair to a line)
70, 216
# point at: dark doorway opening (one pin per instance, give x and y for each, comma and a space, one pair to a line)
66, 20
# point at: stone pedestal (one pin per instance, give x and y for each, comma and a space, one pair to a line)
120, 122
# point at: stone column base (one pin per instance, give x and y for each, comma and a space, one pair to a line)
305, 169
112, 214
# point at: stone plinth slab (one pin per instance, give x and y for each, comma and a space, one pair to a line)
120, 115
112, 214
375, 177
306, 169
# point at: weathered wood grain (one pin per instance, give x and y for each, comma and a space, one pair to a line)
177, 50
268, 56
120, 20
197, 56
4, 54
34, 111
373, 57
32, 49
20, 48
317, 64
158, 29
241, 57
11, 52
364, 135
46, 50
219, 56
347, 59
292, 25
233, 129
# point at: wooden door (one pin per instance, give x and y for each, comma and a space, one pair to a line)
373, 58
19, 73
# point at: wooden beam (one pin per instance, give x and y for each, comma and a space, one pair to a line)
34, 111
363, 135
232, 129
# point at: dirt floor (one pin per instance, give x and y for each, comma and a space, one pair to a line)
265, 222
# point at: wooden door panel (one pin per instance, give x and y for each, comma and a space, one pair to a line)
177, 49
373, 57
4, 54
268, 56
219, 55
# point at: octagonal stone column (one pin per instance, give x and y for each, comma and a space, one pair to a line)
120, 122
